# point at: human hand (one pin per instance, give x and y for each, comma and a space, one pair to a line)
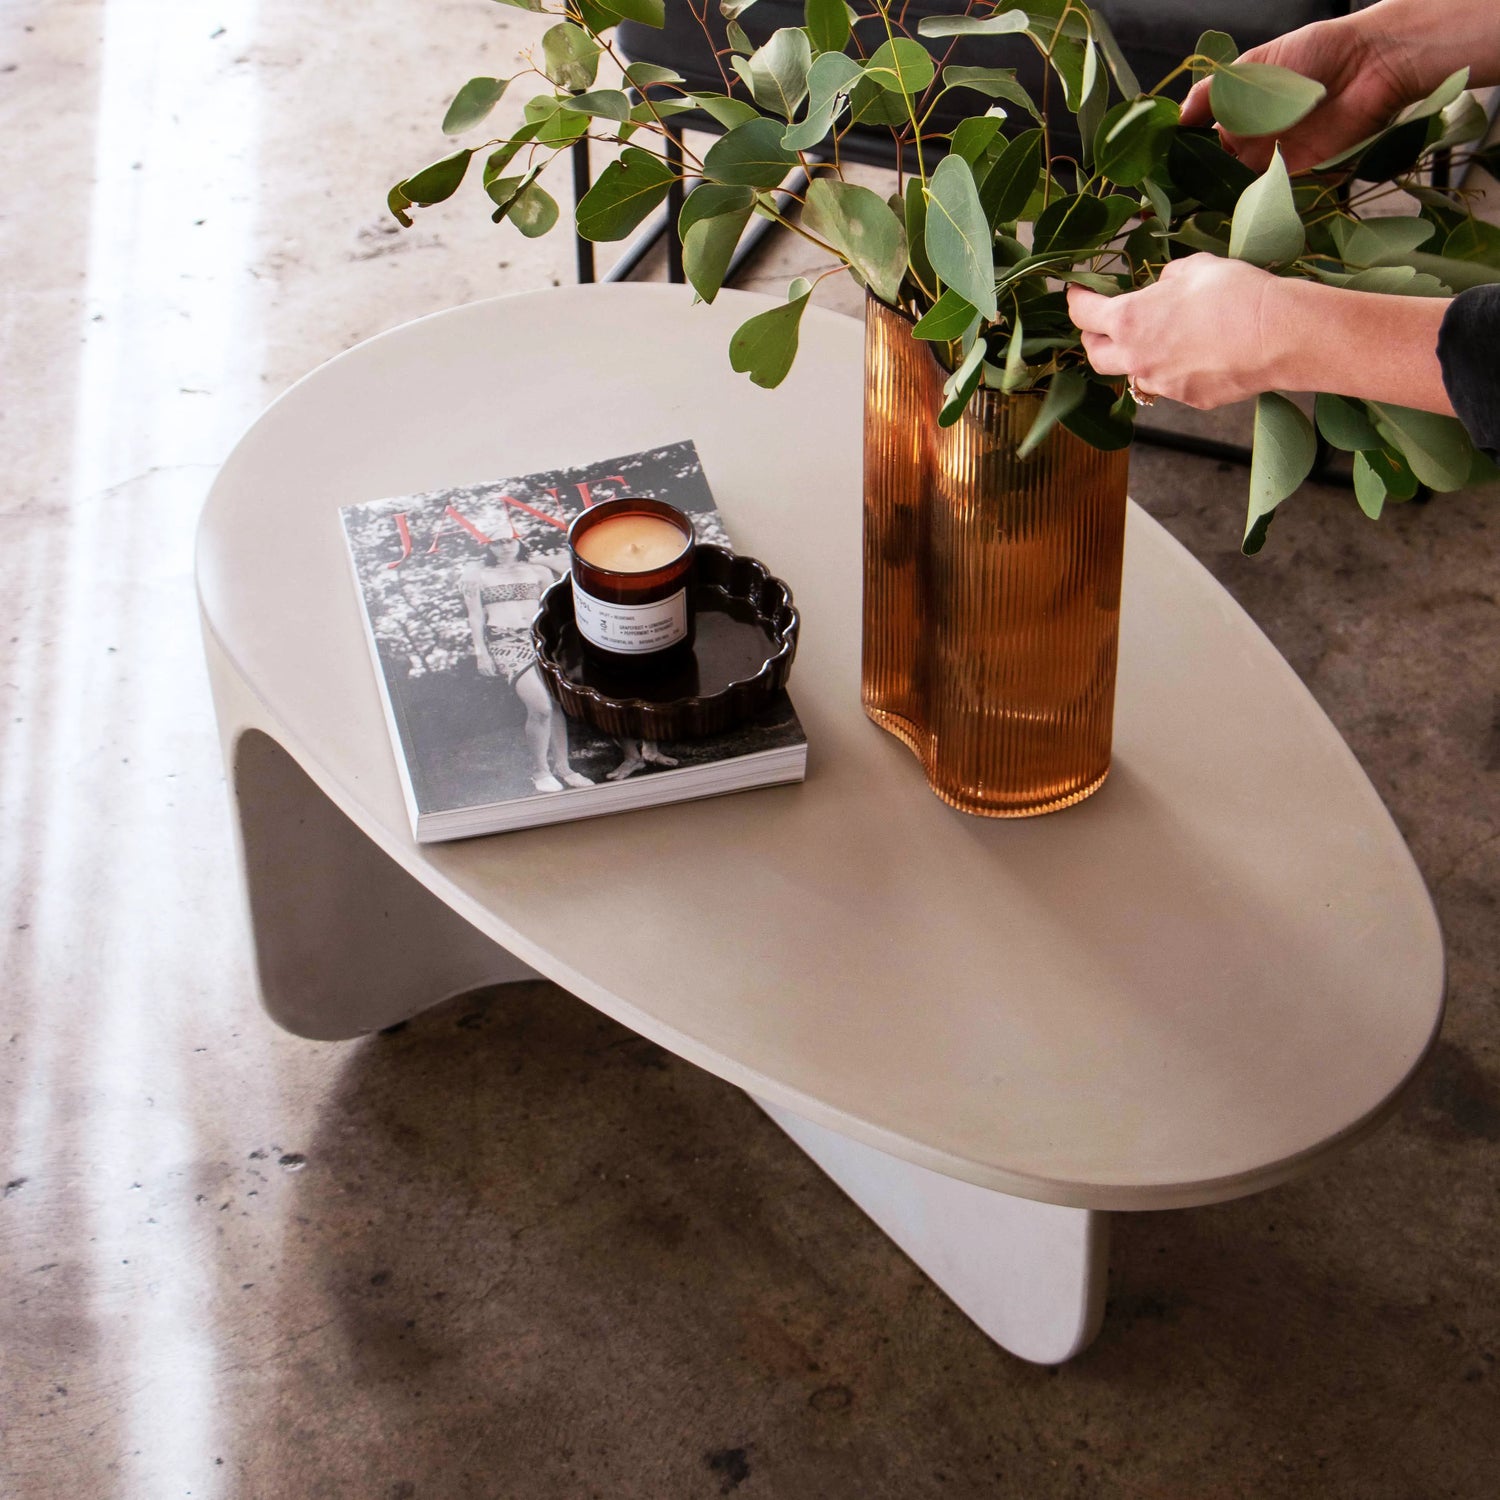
486, 665
1203, 334
1367, 76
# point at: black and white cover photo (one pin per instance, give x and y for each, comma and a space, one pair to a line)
450, 580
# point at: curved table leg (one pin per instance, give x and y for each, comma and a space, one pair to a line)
1031, 1275
346, 942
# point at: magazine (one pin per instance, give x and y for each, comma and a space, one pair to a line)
449, 581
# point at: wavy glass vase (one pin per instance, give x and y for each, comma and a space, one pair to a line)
992, 586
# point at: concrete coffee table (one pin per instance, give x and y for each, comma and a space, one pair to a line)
1201, 982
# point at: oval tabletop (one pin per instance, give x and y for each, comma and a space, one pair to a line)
1193, 985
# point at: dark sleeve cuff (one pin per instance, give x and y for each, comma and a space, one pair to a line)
1469, 352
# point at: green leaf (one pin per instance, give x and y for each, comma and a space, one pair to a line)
554, 125
709, 243
973, 137
827, 24
1200, 166
1285, 450
1369, 487
439, 181
504, 191
570, 56
993, 83
750, 155
1261, 98
914, 215
1266, 230
625, 192
709, 200
1474, 240
472, 103
643, 76
502, 156
777, 72
1063, 395
958, 235
1133, 140
962, 384
647, 12
606, 104
1161, 207
1437, 448
860, 225
1464, 121
1015, 365
724, 110
1400, 483
1345, 423
1103, 419
902, 66
1459, 275
869, 104
1218, 47
1374, 242
947, 319
1007, 23
1067, 62
1438, 100
1013, 178
764, 347
534, 5
1071, 223
398, 203
739, 39
534, 211
1124, 74
828, 81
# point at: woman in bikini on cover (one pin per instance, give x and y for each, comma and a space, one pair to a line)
500, 593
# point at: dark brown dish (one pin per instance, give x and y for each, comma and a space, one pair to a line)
742, 656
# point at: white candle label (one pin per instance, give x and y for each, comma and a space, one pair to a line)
631, 629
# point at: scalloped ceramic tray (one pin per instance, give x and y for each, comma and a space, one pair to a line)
746, 637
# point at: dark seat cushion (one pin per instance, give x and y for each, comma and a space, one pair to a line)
1154, 34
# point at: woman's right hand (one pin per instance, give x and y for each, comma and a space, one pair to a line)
486, 665
1368, 81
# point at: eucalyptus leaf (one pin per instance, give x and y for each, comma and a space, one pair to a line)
958, 235
777, 73
1015, 373
828, 81
570, 56
1369, 487
555, 126
947, 319
765, 346
709, 242
1007, 23
1285, 450
1133, 140
1063, 395
1124, 75
534, 210
1344, 423
1438, 100
624, 193
1261, 98
860, 225
1464, 121
962, 384
472, 103
901, 65
750, 155
1076, 223
502, 156
1266, 229
1373, 242
1437, 448
725, 110
647, 12
1013, 178
973, 137
1219, 48
1474, 240
1458, 275
642, 75
439, 181
1201, 167
994, 83
739, 39
827, 24
1103, 418
606, 104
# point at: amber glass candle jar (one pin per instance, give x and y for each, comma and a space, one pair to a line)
632, 567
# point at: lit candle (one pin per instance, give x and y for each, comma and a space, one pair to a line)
632, 567
633, 542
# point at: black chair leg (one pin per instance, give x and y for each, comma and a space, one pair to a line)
675, 196
583, 248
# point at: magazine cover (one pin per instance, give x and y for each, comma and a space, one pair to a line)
450, 581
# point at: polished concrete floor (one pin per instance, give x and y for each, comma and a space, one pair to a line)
510, 1250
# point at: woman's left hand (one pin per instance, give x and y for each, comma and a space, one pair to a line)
1205, 334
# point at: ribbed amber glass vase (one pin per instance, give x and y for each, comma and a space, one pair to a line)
992, 586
